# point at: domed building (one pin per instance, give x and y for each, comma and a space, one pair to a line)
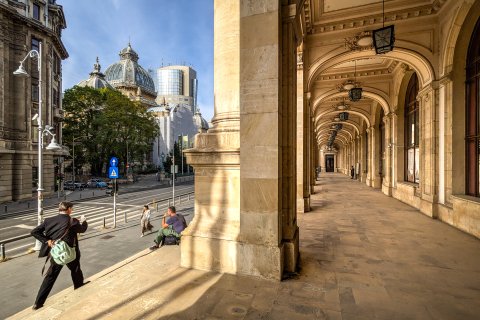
96, 80
131, 79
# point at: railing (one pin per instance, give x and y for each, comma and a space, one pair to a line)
186, 197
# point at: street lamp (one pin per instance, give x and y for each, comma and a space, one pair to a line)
172, 112
162, 156
53, 146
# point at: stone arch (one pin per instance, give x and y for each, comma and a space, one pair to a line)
355, 112
344, 138
455, 106
348, 122
368, 92
320, 132
408, 53
463, 11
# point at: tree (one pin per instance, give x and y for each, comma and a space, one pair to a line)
112, 123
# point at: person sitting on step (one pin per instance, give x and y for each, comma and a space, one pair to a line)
171, 226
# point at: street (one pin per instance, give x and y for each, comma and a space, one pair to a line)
95, 210
101, 248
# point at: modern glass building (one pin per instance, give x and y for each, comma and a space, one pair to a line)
177, 85
170, 82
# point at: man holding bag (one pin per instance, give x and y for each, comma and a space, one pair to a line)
61, 227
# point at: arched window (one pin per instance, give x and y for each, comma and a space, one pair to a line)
472, 115
412, 115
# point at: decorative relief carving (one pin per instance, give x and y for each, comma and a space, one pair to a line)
359, 42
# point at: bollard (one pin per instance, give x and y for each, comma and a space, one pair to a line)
2, 252
104, 223
80, 195
93, 193
125, 216
5, 208
28, 205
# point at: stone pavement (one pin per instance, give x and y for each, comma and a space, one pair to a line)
363, 256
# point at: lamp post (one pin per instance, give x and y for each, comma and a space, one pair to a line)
172, 111
41, 131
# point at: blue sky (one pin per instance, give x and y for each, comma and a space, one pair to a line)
168, 31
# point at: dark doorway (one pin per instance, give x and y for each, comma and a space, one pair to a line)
329, 163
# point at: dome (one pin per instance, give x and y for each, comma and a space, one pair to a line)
200, 122
96, 80
128, 73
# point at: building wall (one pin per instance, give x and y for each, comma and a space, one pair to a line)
433, 45
18, 134
177, 84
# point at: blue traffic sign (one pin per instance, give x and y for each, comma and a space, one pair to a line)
113, 162
113, 173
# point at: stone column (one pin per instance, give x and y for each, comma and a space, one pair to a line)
387, 183
428, 98
369, 157
375, 145
245, 180
211, 240
303, 141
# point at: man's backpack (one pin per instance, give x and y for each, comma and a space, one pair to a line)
62, 253
171, 240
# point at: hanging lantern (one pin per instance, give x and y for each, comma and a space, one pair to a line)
343, 116
383, 38
355, 94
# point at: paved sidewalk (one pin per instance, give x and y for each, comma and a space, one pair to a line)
21, 276
363, 256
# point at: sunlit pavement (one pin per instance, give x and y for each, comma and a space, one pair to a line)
363, 256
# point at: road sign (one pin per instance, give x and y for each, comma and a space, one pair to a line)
176, 168
113, 173
113, 162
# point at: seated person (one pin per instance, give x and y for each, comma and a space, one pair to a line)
174, 225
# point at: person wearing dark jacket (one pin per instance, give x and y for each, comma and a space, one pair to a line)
47, 233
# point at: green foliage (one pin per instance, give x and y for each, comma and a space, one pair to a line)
105, 123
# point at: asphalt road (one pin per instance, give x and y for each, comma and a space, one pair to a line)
101, 248
129, 204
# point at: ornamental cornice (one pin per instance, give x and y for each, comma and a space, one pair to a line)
366, 73
390, 17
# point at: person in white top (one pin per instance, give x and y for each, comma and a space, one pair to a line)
145, 220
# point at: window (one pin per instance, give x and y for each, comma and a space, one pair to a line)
55, 101
472, 115
36, 12
412, 115
56, 64
34, 177
35, 92
35, 44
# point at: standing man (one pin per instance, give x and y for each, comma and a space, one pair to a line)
47, 233
174, 225
352, 172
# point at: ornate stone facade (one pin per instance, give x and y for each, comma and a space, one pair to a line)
278, 94
21, 29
